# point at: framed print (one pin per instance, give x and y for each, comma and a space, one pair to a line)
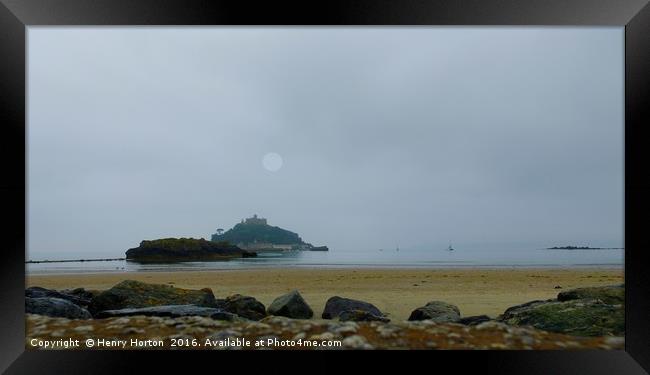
431, 178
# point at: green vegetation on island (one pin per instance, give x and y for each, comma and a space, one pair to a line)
257, 235
249, 233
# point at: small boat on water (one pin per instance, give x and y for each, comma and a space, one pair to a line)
450, 248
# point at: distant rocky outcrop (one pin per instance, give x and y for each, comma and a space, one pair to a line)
55, 307
136, 294
582, 248
595, 311
291, 305
437, 311
183, 250
319, 248
336, 305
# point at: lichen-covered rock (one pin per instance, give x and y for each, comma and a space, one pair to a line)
582, 317
38, 292
245, 306
526, 305
437, 311
135, 294
360, 316
474, 320
170, 311
291, 305
55, 307
612, 294
336, 305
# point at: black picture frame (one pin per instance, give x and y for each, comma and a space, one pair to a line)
17, 15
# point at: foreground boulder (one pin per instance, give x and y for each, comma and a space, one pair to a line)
581, 317
55, 307
291, 305
135, 294
612, 294
244, 306
361, 316
336, 305
76, 298
81, 293
474, 320
172, 311
437, 311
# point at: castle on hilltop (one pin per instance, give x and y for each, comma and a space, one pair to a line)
255, 234
254, 220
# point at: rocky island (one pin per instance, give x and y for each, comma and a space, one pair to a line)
244, 240
185, 250
255, 234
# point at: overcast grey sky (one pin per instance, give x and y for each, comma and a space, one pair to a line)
414, 136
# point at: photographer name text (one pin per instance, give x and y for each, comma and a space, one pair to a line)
229, 342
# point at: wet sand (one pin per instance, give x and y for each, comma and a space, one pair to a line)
396, 292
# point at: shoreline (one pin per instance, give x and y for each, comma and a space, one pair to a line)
397, 292
607, 267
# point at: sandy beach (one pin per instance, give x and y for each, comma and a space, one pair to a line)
396, 292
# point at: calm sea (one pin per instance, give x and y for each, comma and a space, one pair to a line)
404, 258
